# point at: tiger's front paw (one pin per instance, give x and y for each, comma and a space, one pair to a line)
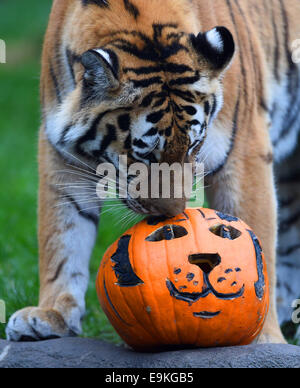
36, 324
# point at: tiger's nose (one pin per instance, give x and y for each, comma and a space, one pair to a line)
205, 261
168, 207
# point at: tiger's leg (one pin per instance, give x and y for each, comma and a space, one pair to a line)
288, 285
66, 239
245, 188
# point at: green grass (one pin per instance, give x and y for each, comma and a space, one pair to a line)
19, 121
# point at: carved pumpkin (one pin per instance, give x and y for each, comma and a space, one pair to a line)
198, 279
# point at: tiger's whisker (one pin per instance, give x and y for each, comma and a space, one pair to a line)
80, 161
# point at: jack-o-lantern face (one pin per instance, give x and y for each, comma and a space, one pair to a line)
196, 279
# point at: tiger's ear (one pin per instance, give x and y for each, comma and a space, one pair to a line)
101, 69
216, 46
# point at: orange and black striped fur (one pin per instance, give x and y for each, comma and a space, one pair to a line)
159, 81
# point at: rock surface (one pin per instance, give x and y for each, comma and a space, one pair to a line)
89, 353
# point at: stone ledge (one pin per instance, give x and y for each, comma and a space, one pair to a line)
90, 353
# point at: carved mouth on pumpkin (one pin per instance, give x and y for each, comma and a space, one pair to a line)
189, 297
206, 314
195, 296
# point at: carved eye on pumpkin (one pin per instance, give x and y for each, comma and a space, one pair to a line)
167, 232
225, 231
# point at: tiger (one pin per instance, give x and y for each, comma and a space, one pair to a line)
169, 81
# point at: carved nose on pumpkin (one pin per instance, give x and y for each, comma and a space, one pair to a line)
205, 261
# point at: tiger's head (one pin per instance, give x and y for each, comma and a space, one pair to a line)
151, 98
